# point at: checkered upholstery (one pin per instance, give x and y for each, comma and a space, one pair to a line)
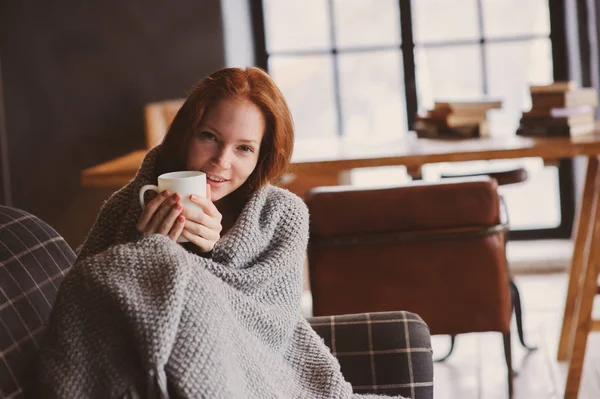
384, 353
34, 259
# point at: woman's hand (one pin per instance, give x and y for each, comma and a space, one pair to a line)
162, 215
203, 228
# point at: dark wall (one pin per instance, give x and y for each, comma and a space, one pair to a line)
76, 75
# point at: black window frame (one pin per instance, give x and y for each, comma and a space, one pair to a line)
558, 39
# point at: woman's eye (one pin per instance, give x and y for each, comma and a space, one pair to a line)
207, 136
246, 148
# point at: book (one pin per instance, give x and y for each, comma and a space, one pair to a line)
443, 113
462, 105
568, 99
427, 129
551, 121
560, 130
559, 112
556, 87
453, 120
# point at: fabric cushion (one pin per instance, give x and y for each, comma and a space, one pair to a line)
383, 353
33, 261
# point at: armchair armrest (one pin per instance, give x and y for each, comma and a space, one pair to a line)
418, 206
384, 353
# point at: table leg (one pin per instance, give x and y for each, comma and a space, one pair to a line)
585, 299
582, 232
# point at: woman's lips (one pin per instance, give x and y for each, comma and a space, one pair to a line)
215, 184
218, 182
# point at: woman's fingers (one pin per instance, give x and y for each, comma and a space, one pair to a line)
150, 209
202, 243
202, 230
169, 220
167, 209
208, 208
177, 228
204, 219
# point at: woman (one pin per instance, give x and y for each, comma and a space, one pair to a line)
219, 317
240, 135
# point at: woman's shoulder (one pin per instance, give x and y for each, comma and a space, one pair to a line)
284, 198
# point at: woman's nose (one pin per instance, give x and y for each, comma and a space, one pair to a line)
223, 159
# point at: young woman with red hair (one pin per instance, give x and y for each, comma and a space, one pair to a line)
235, 126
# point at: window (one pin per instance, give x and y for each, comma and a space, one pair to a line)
467, 48
339, 64
362, 68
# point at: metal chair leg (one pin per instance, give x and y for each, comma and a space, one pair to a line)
514, 291
516, 302
508, 357
447, 355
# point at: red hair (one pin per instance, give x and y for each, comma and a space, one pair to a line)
251, 84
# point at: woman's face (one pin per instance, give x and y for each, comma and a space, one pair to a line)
226, 145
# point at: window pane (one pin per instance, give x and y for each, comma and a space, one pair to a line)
444, 20
534, 204
296, 25
512, 66
515, 17
307, 84
372, 92
448, 72
366, 22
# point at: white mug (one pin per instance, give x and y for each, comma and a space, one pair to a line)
183, 183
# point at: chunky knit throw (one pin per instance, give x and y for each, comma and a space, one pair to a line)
142, 317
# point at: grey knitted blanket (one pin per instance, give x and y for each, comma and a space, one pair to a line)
143, 317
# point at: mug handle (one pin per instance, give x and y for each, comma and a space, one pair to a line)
146, 188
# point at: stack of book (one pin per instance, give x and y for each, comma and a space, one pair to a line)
560, 109
456, 119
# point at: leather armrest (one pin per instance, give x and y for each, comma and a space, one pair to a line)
452, 203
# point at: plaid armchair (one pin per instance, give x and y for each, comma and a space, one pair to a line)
388, 353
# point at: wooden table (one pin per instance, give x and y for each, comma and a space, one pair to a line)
327, 156
334, 157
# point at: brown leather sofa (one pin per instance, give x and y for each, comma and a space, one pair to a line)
436, 249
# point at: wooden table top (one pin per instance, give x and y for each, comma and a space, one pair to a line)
333, 155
